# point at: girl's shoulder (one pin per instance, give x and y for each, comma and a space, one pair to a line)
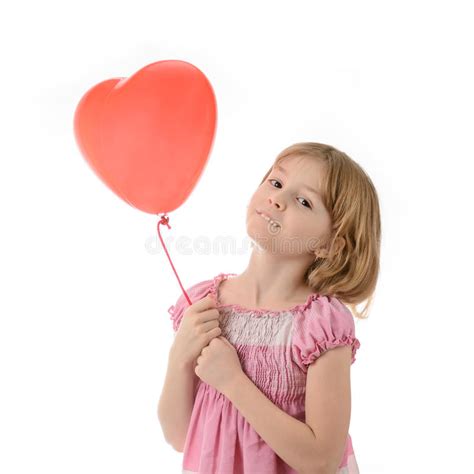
195, 292
324, 323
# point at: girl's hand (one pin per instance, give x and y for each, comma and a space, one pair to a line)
199, 325
219, 364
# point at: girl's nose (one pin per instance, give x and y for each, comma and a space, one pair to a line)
274, 202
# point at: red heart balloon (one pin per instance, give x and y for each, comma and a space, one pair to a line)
149, 136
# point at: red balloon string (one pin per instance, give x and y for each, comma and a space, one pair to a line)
164, 220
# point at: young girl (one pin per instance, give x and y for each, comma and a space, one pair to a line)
258, 380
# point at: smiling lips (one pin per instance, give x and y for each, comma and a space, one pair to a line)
268, 218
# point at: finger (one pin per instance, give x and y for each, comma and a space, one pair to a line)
205, 303
225, 340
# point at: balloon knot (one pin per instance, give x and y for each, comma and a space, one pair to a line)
164, 220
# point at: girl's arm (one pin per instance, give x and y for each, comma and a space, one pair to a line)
315, 446
291, 439
177, 401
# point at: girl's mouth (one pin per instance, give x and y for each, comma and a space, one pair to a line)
268, 219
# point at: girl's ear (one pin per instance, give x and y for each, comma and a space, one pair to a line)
340, 244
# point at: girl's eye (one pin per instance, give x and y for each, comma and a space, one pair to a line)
309, 205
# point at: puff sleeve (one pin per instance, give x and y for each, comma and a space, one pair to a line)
325, 324
195, 293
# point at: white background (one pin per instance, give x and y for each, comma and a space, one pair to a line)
85, 283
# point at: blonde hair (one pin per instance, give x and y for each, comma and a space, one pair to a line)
349, 273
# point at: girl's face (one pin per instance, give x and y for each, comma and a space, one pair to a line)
289, 196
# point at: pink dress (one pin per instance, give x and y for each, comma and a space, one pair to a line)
275, 349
